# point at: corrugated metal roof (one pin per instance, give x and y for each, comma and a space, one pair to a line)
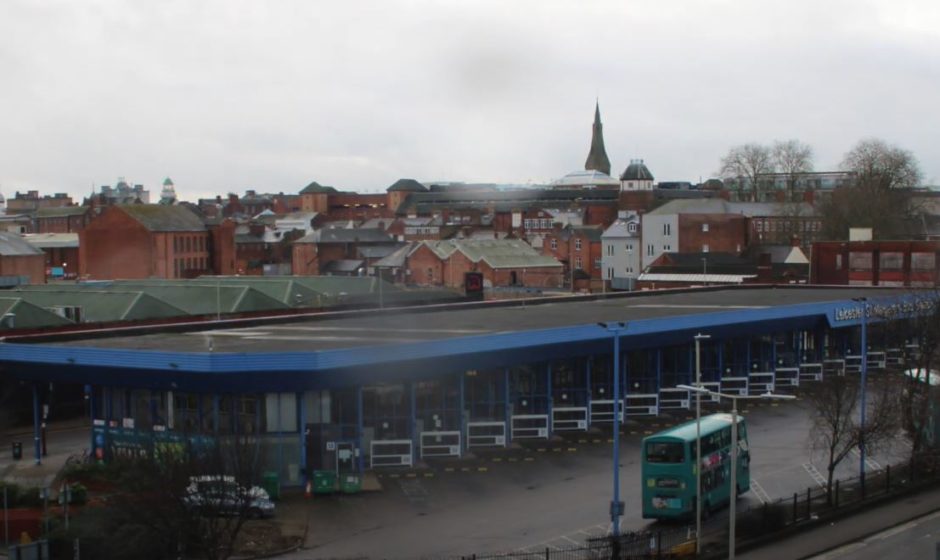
13, 245
721, 206
52, 240
498, 253
346, 235
695, 278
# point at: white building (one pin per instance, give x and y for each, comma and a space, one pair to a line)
621, 251
636, 177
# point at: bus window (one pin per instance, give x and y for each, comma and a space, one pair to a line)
665, 452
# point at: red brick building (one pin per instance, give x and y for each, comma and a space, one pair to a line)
64, 219
147, 241
579, 249
313, 254
503, 263
875, 263
20, 259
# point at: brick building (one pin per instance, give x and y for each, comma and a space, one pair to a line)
61, 253
313, 254
503, 263
580, 250
146, 241
30, 201
875, 263
63, 219
20, 262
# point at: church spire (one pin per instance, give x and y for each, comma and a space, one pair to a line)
597, 158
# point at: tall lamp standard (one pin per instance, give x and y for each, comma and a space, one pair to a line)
734, 451
864, 382
698, 440
616, 506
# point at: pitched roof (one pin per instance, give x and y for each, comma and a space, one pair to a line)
344, 266
13, 245
315, 188
721, 206
52, 240
346, 235
593, 233
159, 217
505, 201
497, 253
597, 157
407, 185
62, 211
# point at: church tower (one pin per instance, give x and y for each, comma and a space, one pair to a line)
597, 157
168, 194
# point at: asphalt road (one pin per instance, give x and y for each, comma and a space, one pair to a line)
556, 499
916, 539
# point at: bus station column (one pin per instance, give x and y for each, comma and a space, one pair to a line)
93, 414
412, 422
548, 397
587, 386
302, 434
359, 430
508, 404
461, 408
36, 434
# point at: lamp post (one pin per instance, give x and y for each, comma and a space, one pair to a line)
616, 506
864, 382
698, 441
734, 450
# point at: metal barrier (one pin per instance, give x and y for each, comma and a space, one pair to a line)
38, 550
736, 385
391, 453
760, 382
602, 412
877, 360
811, 371
570, 418
673, 399
894, 357
853, 363
714, 387
834, 366
787, 376
440, 444
913, 351
486, 434
642, 404
530, 426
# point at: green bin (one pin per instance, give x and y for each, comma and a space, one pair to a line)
324, 482
350, 483
272, 484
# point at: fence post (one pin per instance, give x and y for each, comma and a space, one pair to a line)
837, 493
795, 500
888, 478
546, 553
659, 544
809, 501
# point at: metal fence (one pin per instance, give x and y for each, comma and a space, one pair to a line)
630, 546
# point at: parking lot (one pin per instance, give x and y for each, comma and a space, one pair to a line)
546, 495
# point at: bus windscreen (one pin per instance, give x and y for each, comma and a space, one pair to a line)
665, 452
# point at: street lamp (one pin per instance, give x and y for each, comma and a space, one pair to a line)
698, 440
864, 381
734, 450
616, 506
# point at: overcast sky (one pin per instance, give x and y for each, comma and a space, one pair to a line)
234, 94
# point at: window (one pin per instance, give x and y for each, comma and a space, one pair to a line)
554, 244
705, 248
176, 244
649, 250
631, 227
705, 228
577, 244
860, 261
923, 261
597, 263
578, 263
665, 452
430, 273
629, 247
891, 261
838, 262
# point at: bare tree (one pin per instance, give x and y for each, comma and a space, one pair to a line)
879, 196
836, 430
794, 159
745, 164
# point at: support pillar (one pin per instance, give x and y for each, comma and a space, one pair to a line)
549, 398
302, 431
461, 414
412, 420
36, 434
359, 430
507, 394
590, 395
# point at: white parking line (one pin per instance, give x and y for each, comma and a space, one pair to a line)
569, 539
870, 463
814, 473
759, 492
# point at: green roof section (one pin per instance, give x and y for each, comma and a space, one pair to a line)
161, 217
19, 314
285, 289
315, 188
203, 299
99, 305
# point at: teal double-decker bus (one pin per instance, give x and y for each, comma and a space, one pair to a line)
669, 468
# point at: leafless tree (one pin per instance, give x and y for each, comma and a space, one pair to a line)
879, 196
745, 164
836, 430
794, 159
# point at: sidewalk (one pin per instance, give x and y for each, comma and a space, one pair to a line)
63, 439
850, 528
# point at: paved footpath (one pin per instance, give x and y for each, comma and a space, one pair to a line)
849, 529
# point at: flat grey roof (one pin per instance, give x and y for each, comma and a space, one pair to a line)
374, 327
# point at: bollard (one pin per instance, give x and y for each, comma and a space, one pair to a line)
888, 478
837, 493
809, 502
795, 501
